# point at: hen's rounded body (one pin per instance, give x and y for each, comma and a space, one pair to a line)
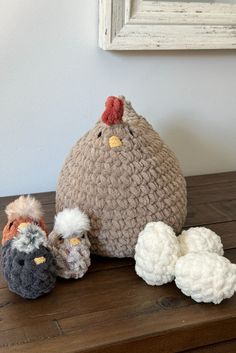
122, 188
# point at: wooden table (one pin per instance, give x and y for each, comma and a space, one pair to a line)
112, 310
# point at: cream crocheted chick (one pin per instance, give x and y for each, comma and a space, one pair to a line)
156, 253
69, 243
202, 273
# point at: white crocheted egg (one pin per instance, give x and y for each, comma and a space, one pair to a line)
198, 239
156, 253
206, 277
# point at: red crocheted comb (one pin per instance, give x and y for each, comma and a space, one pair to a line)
114, 111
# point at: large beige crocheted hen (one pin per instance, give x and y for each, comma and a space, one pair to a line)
123, 176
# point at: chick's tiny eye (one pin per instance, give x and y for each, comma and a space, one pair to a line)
60, 238
10, 225
82, 236
131, 132
99, 134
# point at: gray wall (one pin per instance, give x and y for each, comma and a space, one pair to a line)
54, 80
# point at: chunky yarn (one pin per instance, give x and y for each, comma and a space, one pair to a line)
156, 253
122, 176
25, 209
28, 266
114, 111
198, 239
69, 243
206, 277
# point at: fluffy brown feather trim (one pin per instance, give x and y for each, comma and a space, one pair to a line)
24, 206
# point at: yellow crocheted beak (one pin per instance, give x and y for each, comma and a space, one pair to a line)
114, 141
23, 225
74, 241
39, 260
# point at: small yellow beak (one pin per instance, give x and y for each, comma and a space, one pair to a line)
23, 225
74, 241
114, 141
39, 260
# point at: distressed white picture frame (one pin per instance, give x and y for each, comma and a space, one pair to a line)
162, 25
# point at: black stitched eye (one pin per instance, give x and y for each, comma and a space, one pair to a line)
60, 238
131, 132
10, 225
99, 134
21, 262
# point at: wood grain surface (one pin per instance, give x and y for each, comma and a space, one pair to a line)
112, 310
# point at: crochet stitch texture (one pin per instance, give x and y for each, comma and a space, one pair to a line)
124, 185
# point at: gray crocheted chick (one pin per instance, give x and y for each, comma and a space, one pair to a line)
69, 243
28, 266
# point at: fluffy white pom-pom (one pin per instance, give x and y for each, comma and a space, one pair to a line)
71, 221
156, 253
206, 277
200, 239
